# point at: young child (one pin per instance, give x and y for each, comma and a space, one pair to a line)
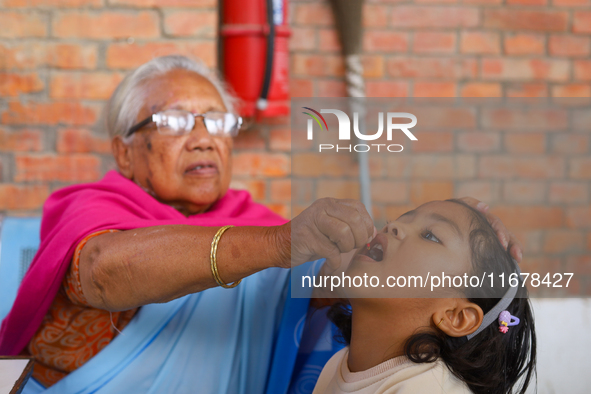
459, 344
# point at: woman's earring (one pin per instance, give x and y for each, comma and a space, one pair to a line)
438, 324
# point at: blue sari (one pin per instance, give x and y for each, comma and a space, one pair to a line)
251, 339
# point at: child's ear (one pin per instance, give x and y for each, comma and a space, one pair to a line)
460, 319
122, 154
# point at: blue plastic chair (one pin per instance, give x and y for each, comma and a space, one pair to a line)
19, 241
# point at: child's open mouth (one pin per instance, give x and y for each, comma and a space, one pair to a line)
375, 250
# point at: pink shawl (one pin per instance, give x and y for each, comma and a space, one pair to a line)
115, 202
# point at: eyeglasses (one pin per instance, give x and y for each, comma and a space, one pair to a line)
179, 122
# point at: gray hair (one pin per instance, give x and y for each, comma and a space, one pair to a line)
128, 99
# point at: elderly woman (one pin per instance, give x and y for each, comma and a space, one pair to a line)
158, 278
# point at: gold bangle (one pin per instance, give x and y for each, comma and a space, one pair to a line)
213, 259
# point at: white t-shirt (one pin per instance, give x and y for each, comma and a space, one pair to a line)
398, 375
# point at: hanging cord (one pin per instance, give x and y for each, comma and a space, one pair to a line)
354, 76
356, 90
348, 17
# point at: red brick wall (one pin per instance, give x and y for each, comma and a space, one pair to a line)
531, 165
60, 60
538, 182
446, 48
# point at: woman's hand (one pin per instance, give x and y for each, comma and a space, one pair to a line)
506, 237
326, 229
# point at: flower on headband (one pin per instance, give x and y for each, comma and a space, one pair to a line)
506, 320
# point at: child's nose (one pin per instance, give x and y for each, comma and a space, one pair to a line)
396, 229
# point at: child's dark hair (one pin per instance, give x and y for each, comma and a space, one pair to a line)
490, 362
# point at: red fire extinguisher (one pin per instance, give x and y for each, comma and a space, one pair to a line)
256, 55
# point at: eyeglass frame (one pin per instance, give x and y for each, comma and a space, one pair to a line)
150, 118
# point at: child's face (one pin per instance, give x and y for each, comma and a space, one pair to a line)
434, 239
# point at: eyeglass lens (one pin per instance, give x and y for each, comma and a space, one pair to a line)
177, 122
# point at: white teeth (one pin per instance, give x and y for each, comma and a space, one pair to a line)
201, 167
374, 254
377, 247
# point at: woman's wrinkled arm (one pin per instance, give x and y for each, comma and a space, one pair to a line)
127, 269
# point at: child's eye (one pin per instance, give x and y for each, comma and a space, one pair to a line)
429, 235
